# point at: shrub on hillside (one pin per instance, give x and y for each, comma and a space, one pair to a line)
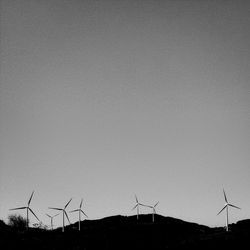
17, 221
40, 225
2, 224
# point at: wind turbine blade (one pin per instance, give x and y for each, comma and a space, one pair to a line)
56, 208
135, 206
143, 205
49, 216
30, 198
136, 199
55, 215
67, 216
233, 206
225, 197
222, 209
33, 213
84, 213
81, 203
156, 204
18, 208
74, 210
68, 203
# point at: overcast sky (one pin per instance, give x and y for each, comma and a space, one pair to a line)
102, 100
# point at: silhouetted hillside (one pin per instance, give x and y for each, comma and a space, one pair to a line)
122, 232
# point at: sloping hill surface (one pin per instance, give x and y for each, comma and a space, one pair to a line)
122, 232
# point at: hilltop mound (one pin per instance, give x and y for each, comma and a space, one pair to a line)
126, 232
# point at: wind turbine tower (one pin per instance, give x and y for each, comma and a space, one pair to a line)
226, 206
63, 212
79, 210
28, 209
51, 219
137, 206
154, 211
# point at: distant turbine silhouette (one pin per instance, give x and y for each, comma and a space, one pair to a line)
137, 206
63, 212
154, 211
80, 211
51, 219
226, 207
28, 210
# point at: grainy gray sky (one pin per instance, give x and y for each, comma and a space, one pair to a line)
102, 100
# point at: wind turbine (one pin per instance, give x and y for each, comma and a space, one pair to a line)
227, 204
137, 206
154, 211
51, 219
63, 212
28, 210
80, 211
